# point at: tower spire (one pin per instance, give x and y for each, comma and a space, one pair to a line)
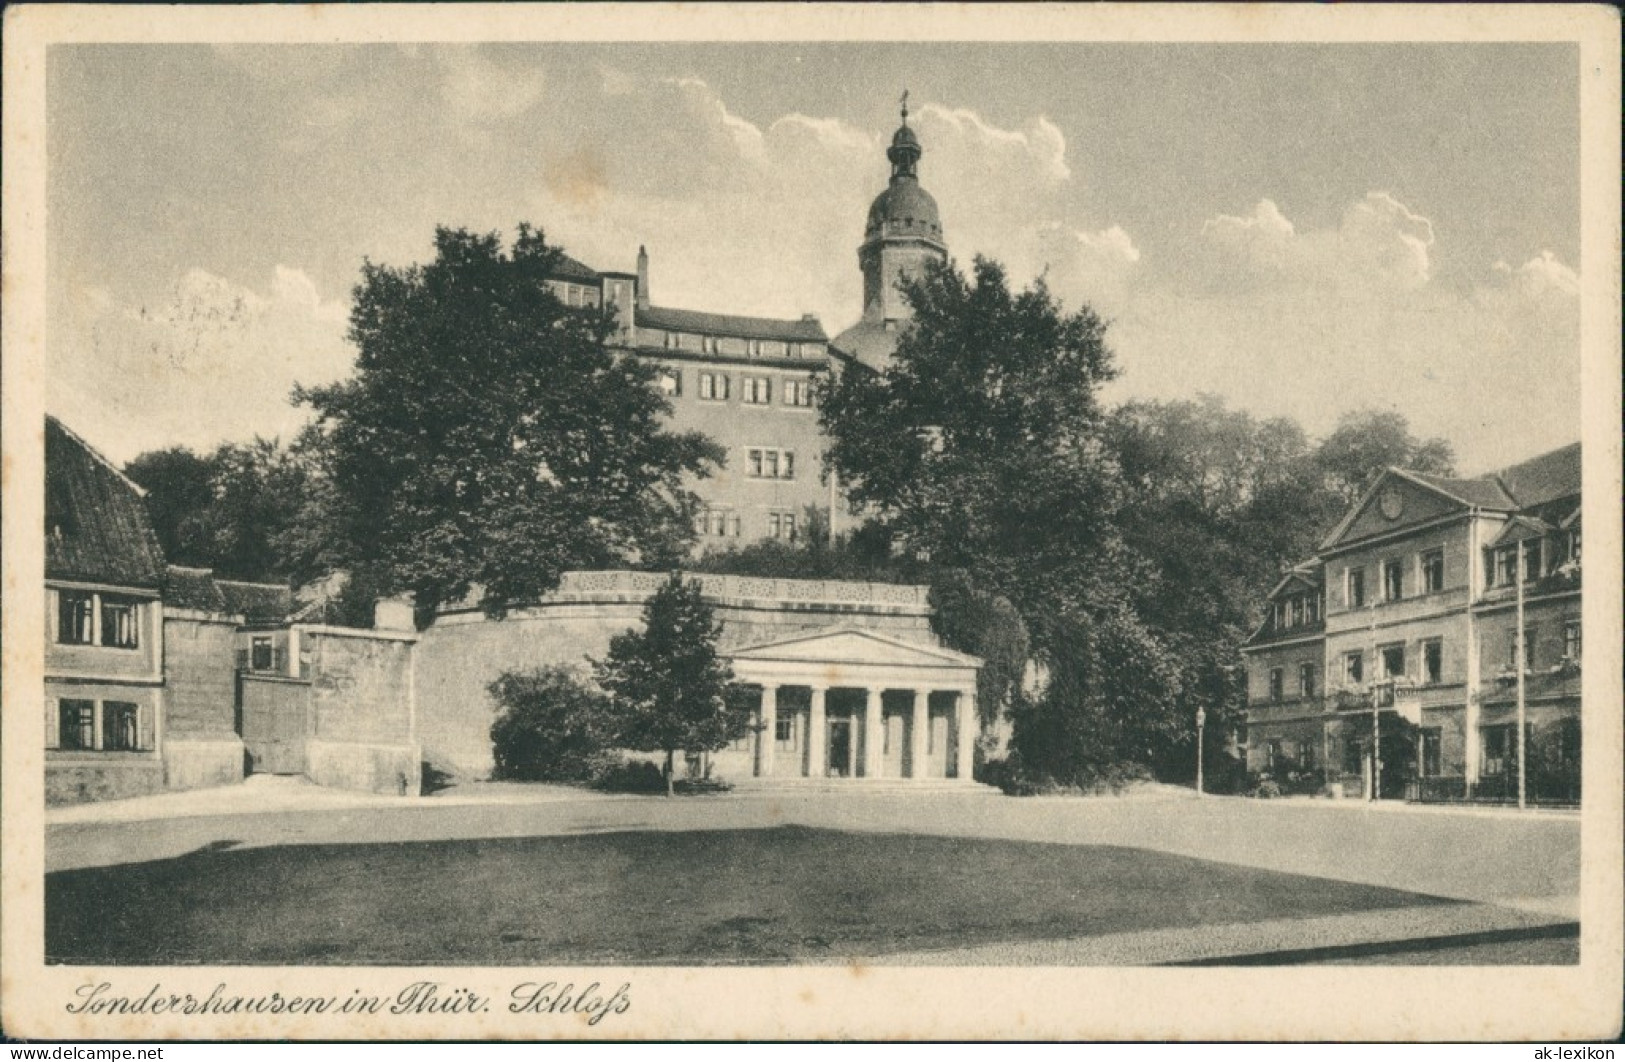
905, 106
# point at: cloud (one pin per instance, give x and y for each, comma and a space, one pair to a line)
1310, 323
1380, 244
212, 361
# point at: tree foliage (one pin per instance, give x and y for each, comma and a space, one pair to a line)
667, 683
550, 727
1367, 441
246, 510
490, 437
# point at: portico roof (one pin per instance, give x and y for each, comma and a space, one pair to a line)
851, 649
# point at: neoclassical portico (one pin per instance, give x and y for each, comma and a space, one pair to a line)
852, 703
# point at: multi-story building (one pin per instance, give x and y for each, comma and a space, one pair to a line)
750, 382
1402, 635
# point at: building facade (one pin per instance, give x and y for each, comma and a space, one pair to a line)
1402, 637
750, 383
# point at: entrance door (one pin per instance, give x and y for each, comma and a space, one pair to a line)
274, 725
840, 746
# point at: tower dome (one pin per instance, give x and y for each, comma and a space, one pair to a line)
902, 234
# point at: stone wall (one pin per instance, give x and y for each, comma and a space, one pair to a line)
394, 770
464, 652
360, 685
201, 745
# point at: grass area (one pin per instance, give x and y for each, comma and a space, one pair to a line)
767, 896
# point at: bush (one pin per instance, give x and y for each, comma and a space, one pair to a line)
638, 776
1016, 779
551, 727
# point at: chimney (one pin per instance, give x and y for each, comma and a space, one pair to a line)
643, 278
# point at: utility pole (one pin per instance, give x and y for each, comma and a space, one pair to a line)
1201, 722
1521, 654
1376, 712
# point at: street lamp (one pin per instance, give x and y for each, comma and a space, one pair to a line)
1201, 721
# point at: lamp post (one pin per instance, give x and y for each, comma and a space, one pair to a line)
1201, 721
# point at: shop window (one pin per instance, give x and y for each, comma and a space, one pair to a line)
120, 726
1430, 753
76, 724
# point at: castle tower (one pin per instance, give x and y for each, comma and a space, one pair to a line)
903, 232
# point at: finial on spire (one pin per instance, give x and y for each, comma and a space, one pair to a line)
905, 106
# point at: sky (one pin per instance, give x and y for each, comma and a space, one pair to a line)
1303, 230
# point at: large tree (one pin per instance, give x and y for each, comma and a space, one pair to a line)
1367, 441
245, 510
667, 683
491, 437
981, 446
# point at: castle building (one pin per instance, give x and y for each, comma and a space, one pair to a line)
750, 382
1401, 635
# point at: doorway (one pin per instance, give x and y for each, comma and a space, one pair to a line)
840, 746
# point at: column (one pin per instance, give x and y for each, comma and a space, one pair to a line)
815, 735
969, 726
873, 739
767, 738
918, 721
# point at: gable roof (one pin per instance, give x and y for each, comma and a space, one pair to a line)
1545, 478
1310, 573
1520, 528
193, 588
571, 269
806, 330
256, 602
1485, 492
96, 524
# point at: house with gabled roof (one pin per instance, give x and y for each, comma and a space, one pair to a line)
1417, 646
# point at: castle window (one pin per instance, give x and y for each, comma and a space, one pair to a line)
1393, 661
120, 731
1306, 680
756, 390
1277, 684
671, 382
1353, 668
1571, 641
763, 462
714, 386
798, 392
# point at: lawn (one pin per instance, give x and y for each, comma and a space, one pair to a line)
742, 896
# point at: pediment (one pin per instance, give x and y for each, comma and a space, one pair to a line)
854, 647
1394, 502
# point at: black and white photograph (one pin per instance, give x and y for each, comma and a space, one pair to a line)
812, 522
